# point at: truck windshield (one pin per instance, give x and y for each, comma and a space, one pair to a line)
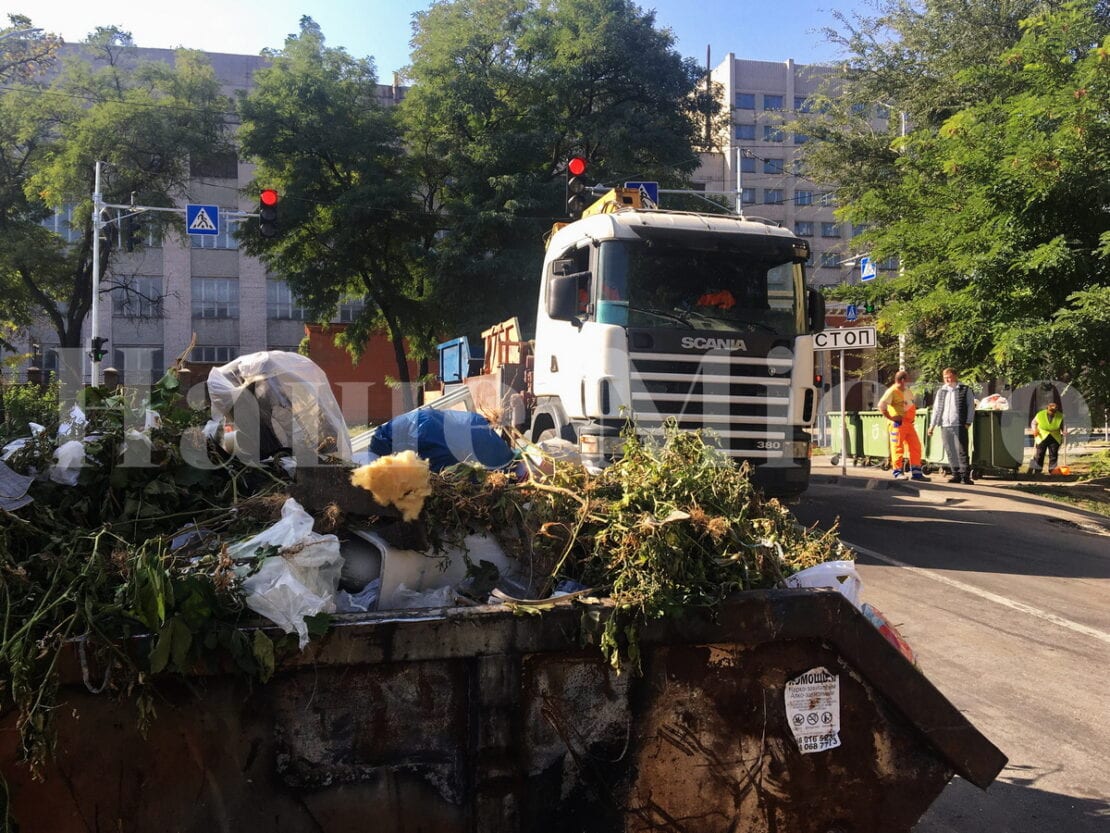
735, 287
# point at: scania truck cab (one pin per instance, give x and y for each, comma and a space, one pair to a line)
647, 315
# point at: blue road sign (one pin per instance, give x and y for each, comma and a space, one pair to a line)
851, 313
202, 219
649, 192
867, 270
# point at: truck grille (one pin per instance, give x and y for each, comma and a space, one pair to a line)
740, 401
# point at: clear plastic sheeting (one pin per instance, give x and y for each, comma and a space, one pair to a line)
279, 401
297, 582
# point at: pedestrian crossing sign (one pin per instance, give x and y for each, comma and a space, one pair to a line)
202, 219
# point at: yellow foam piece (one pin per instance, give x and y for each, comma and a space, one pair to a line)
401, 480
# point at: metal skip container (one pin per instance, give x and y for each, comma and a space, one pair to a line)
788, 711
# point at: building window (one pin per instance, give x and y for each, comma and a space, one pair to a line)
772, 102
772, 196
745, 131
830, 259
214, 355
799, 167
281, 304
215, 298
214, 166
747, 164
828, 199
858, 229
889, 264
800, 138
748, 196
860, 110
745, 101
138, 364
61, 224
771, 133
801, 104
803, 198
351, 309
224, 240
882, 112
803, 229
830, 230
772, 166
138, 297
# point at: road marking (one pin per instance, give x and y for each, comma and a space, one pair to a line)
986, 594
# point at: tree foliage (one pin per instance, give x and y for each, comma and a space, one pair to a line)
996, 199
143, 120
505, 91
351, 225
24, 50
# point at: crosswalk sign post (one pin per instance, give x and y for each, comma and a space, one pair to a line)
867, 270
851, 313
202, 219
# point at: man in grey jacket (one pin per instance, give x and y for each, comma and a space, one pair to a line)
953, 410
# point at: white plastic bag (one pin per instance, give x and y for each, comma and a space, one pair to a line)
68, 459
301, 580
839, 575
291, 396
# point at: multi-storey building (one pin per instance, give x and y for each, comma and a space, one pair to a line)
762, 160
173, 286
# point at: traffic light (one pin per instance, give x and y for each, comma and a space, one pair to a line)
267, 212
576, 186
132, 232
869, 307
98, 351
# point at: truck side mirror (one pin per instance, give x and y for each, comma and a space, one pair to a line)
815, 306
564, 266
562, 297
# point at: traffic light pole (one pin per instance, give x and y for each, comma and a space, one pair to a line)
94, 326
98, 228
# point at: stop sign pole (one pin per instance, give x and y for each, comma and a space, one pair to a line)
840, 339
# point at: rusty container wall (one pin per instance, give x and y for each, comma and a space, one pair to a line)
479, 720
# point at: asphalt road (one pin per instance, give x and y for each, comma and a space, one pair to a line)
1006, 600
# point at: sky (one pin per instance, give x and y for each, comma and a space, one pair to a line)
761, 30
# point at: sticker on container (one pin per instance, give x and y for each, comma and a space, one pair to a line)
813, 710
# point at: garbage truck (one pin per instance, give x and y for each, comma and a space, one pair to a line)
647, 315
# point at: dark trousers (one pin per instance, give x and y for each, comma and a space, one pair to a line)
954, 438
1050, 445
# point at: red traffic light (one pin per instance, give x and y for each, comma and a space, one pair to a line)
268, 197
576, 166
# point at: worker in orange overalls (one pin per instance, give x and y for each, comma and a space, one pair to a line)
897, 406
723, 299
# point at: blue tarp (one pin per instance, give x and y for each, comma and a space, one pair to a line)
443, 438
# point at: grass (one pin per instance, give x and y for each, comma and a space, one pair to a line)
1088, 486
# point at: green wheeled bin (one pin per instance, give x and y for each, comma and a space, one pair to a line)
854, 442
997, 443
876, 438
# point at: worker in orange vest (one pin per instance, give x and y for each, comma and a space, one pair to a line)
898, 408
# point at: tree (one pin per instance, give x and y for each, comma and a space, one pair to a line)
144, 120
350, 221
24, 50
996, 199
505, 92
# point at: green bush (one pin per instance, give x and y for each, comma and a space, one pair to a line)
23, 403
